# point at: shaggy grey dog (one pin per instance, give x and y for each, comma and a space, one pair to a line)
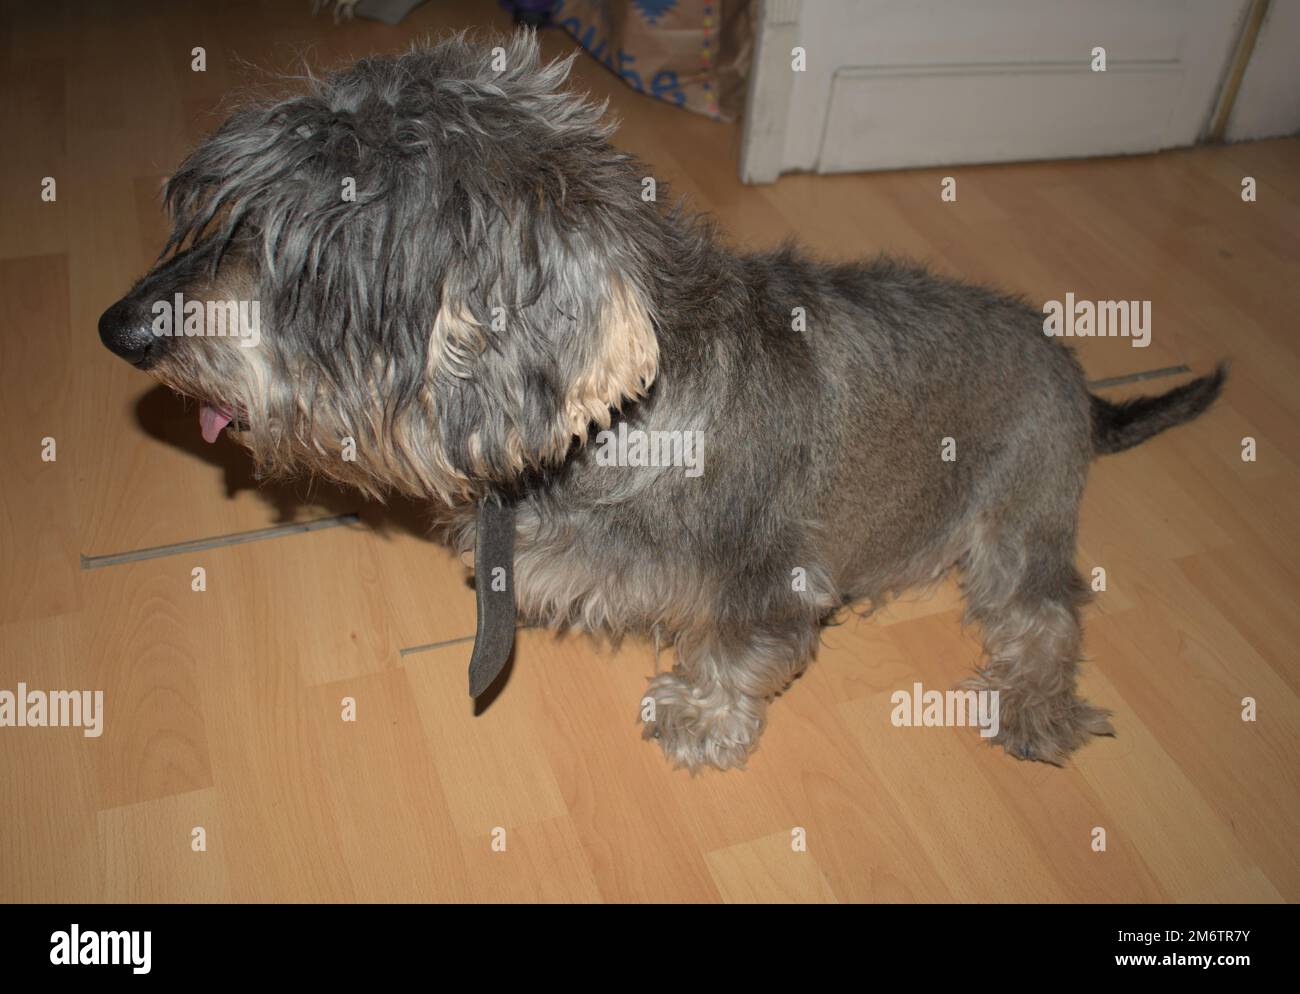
498, 291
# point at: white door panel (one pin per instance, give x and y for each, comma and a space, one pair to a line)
896, 83
885, 119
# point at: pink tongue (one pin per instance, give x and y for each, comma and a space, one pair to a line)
212, 420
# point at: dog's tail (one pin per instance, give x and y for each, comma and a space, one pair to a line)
1116, 427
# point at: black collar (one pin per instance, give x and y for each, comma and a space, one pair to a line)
494, 589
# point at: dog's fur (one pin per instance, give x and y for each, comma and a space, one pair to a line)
480, 189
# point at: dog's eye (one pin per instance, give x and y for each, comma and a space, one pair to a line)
410, 137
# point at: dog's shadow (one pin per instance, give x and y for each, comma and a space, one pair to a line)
163, 415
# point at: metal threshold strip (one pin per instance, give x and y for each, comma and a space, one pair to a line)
1151, 374
217, 542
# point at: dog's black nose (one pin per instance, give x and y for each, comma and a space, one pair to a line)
126, 331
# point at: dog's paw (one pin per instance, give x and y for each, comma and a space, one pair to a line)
1049, 730
696, 729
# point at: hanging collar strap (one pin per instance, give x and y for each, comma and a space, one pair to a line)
494, 588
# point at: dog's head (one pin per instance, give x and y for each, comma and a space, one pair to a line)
431, 273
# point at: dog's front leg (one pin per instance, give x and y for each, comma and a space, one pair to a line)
711, 709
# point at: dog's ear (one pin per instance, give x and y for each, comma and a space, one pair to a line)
534, 342
545, 323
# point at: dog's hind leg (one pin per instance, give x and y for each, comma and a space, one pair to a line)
1021, 586
710, 710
